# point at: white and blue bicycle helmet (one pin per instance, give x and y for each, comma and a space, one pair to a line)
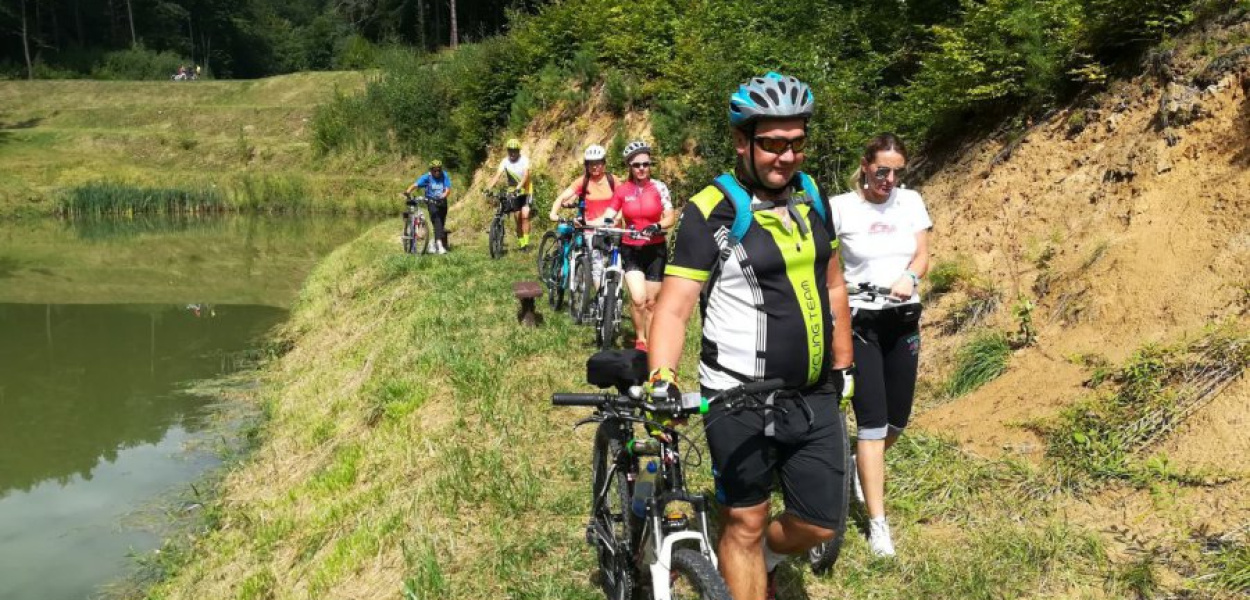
773, 96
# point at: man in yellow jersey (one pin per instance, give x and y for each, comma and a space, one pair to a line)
517, 168
757, 251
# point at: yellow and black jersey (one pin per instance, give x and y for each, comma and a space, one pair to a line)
767, 314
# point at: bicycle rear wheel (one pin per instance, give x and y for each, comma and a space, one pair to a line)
694, 577
496, 236
822, 557
611, 529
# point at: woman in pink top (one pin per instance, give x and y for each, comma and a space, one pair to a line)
591, 194
644, 205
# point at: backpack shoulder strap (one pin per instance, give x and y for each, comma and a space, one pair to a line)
741, 199
611, 182
812, 192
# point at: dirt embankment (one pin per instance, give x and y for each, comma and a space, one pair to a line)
1125, 219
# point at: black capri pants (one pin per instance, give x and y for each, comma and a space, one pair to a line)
887, 352
438, 218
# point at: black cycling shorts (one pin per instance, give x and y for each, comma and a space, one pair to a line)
808, 456
649, 259
521, 202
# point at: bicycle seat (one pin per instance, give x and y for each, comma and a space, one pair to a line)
617, 368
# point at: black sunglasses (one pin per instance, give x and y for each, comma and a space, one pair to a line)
779, 145
640, 165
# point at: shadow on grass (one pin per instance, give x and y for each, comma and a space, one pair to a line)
6, 133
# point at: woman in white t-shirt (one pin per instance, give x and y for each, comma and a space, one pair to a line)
884, 235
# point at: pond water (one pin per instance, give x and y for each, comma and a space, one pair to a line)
103, 327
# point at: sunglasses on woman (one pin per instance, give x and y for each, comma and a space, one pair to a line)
773, 145
640, 165
883, 172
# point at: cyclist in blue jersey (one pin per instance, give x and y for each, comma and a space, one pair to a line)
436, 184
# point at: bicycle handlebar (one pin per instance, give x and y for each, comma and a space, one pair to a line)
873, 291
674, 407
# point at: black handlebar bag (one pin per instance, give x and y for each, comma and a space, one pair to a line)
617, 368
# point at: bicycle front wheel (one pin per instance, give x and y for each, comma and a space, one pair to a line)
609, 317
611, 528
496, 237
694, 578
822, 557
583, 289
549, 245
420, 239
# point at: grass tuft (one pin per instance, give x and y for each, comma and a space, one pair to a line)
947, 274
980, 361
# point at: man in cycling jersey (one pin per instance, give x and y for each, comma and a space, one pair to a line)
517, 168
770, 300
436, 183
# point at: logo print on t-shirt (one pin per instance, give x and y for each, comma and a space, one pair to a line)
880, 227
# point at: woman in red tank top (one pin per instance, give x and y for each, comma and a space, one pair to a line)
643, 204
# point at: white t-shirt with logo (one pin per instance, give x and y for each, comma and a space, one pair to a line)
878, 241
516, 171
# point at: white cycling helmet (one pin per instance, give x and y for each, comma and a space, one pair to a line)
635, 148
594, 152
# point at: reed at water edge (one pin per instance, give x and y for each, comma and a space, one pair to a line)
112, 198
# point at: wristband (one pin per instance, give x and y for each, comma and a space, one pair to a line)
915, 279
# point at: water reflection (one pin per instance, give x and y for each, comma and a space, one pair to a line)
81, 382
101, 324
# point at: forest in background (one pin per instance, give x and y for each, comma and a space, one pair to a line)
150, 39
929, 69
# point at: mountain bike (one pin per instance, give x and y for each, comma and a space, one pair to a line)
610, 299
416, 231
648, 544
558, 252
822, 557
504, 203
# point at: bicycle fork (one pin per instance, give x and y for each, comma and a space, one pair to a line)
658, 550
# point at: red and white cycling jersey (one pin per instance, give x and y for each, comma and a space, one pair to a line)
641, 206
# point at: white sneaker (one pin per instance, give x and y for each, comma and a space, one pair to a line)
859, 489
441, 248
879, 541
432, 247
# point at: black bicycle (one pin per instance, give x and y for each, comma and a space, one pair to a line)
504, 203
649, 546
416, 232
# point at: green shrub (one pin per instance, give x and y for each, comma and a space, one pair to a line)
616, 92
139, 63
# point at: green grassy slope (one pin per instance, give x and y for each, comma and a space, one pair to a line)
411, 450
55, 135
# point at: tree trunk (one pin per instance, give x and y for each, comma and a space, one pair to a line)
30, 67
421, 23
130, 11
82, 40
455, 35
